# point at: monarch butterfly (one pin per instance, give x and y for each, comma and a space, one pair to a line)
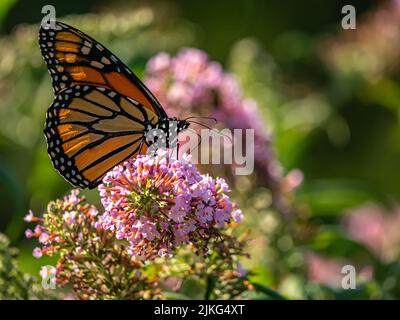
101, 112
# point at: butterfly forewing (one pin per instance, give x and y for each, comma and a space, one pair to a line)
73, 58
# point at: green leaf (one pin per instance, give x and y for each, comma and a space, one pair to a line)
211, 281
193, 288
351, 294
332, 242
332, 197
5, 6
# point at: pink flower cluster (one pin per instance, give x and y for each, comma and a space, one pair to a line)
88, 255
371, 225
156, 204
62, 221
328, 270
189, 84
376, 228
372, 50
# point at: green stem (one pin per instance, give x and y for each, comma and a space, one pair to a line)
211, 281
268, 291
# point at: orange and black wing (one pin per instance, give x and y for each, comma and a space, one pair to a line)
91, 129
74, 58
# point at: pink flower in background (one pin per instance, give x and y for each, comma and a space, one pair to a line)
323, 270
328, 271
189, 84
372, 49
157, 204
375, 228
366, 225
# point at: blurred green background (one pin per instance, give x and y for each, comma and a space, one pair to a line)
329, 97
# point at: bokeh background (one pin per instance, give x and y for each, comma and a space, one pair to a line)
328, 98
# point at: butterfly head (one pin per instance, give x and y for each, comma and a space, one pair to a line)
182, 125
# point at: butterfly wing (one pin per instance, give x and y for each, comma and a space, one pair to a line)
91, 129
73, 58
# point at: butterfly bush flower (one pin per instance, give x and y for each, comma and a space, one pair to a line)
190, 84
154, 208
158, 203
372, 50
90, 260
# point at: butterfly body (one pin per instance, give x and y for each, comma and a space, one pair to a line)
102, 113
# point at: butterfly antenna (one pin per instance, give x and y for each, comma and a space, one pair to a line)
203, 125
209, 118
200, 124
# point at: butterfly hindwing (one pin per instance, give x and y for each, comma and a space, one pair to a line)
90, 129
74, 58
